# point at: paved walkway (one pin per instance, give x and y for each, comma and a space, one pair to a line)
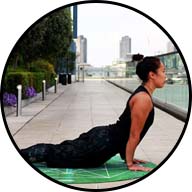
80, 106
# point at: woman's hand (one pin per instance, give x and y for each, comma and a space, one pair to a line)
137, 167
138, 161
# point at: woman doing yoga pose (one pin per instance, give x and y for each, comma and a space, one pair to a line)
99, 144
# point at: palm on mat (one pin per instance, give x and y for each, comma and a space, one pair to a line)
113, 170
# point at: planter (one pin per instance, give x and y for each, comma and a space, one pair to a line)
8, 110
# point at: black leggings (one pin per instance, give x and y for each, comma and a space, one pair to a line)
90, 149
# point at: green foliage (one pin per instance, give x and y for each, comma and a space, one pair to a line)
45, 67
27, 79
58, 36
41, 65
35, 56
28, 47
13, 79
39, 70
37, 79
71, 56
49, 39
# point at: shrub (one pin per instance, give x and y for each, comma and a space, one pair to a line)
45, 67
41, 65
38, 77
40, 70
15, 78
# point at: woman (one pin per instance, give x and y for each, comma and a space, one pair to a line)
98, 145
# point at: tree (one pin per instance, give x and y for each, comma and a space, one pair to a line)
28, 48
49, 39
58, 36
71, 57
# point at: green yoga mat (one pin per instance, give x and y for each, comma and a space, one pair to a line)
113, 170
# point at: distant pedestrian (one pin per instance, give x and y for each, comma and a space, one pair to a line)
99, 144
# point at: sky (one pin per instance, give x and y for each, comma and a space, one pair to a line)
104, 25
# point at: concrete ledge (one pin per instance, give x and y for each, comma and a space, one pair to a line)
175, 111
9, 109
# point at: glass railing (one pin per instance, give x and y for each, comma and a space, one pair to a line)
175, 92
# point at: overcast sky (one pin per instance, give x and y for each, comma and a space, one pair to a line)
104, 24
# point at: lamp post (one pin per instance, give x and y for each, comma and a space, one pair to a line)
43, 90
19, 102
56, 84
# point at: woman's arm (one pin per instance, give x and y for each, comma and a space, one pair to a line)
140, 106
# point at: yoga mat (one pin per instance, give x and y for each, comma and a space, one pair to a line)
113, 170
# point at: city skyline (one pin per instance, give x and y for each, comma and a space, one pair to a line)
104, 30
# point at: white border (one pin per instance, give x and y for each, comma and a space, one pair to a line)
17, 16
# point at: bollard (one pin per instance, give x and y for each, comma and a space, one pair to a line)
56, 84
64, 79
43, 90
19, 102
69, 78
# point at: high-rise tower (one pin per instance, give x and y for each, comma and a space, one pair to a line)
125, 47
81, 44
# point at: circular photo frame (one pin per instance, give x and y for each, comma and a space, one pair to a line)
45, 106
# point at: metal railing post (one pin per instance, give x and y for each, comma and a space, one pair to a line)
19, 100
83, 73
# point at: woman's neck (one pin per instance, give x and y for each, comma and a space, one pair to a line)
150, 88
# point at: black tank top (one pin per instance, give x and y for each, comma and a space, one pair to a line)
122, 126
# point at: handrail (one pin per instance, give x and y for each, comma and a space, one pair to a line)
175, 111
167, 54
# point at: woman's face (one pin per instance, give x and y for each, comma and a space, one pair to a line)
160, 77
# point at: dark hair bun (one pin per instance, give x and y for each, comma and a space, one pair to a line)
147, 65
137, 57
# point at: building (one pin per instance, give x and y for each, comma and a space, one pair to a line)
81, 50
122, 68
81, 57
125, 47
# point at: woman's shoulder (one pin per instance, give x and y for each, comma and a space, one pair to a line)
141, 97
141, 88
139, 91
